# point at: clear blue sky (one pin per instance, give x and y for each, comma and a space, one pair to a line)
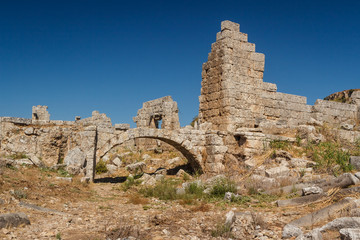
79, 56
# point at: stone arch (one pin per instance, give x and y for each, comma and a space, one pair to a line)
173, 138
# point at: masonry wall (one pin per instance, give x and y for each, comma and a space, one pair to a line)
233, 94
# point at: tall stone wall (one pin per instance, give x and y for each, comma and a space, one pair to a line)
233, 94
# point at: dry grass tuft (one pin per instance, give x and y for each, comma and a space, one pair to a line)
202, 207
137, 199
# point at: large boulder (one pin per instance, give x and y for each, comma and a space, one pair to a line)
13, 220
75, 160
136, 168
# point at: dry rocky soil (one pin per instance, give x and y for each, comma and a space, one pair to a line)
112, 208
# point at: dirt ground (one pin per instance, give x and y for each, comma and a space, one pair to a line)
75, 210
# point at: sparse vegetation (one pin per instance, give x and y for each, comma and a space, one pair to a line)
280, 144
222, 230
221, 187
17, 156
164, 190
328, 156
101, 167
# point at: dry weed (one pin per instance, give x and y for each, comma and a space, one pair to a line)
137, 199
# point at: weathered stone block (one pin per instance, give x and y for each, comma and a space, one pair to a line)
228, 25
13, 220
281, 171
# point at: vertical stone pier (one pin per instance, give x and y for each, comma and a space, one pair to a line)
231, 79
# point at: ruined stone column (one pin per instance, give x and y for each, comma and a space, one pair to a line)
231, 80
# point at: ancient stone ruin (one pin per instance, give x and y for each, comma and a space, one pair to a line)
239, 115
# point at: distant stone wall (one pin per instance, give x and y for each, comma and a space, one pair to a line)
161, 113
233, 94
162, 109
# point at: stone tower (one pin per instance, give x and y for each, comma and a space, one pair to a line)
232, 80
40, 113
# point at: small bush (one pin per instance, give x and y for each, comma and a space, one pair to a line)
101, 167
280, 144
222, 230
17, 156
130, 181
327, 155
194, 189
221, 187
164, 190
20, 194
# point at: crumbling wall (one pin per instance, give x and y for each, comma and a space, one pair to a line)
162, 109
40, 113
159, 113
233, 94
52, 140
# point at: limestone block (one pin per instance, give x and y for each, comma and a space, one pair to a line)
259, 57
280, 171
290, 98
29, 131
122, 126
350, 233
355, 162
117, 161
136, 168
228, 25
311, 190
75, 160
13, 220
246, 46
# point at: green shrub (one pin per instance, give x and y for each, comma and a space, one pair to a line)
280, 144
130, 181
101, 167
194, 189
164, 190
17, 156
222, 186
327, 155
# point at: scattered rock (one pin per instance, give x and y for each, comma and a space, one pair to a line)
282, 154
350, 234
355, 162
229, 196
311, 190
291, 231
85, 180
29, 131
158, 150
230, 218
67, 179
280, 171
174, 162
146, 157
347, 126
161, 171
13, 220
339, 223
117, 161
147, 180
136, 168
180, 191
111, 168
159, 177
75, 160
36, 161
181, 173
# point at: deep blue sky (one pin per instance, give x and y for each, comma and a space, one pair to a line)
79, 56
